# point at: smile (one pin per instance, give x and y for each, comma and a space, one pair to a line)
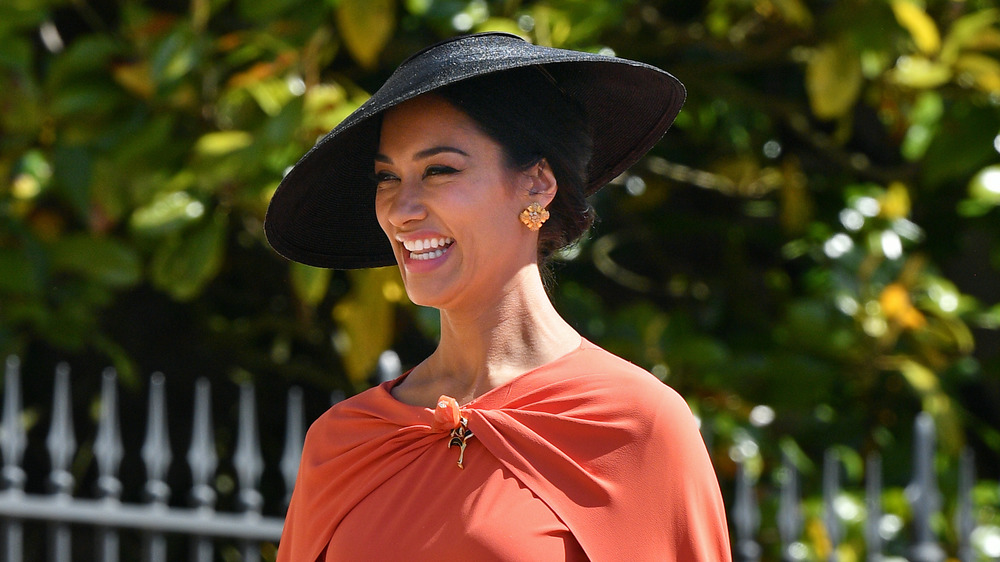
427, 248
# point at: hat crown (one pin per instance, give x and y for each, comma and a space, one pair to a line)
460, 42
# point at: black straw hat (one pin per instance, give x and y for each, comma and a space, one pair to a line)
323, 213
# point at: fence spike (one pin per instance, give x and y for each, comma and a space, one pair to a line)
201, 456
13, 438
202, 460
248, 459
108, 448
61, 444
156, 456
873, 504
389, 366
789, 509
249, 464
831, 491
923, 494
61, 441
156, 452
965, 521
746, 516
294, 432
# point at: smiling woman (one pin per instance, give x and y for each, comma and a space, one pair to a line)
483, 150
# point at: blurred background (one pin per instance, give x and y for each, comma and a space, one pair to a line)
811, 256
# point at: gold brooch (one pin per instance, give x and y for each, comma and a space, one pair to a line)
460, 436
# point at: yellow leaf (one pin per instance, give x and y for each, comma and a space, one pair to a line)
920, 25
794, 12
136, 78
920, 72
502, 24
895, 203
366, 26
833, 80
324, 107
981, 71
898, 308
222, 142
796, 203
366, 318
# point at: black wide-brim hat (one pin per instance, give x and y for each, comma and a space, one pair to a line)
323, 212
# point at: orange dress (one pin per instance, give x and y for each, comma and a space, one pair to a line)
587, 457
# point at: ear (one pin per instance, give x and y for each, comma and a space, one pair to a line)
540, 183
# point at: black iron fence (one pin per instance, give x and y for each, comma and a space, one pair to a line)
106, 515
926, 516
247, 531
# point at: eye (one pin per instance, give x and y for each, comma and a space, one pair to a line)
439, 171
383, 177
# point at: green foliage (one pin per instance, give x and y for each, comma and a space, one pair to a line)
817, 235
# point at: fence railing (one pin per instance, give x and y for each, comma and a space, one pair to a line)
922, 494
106, 514
203, 527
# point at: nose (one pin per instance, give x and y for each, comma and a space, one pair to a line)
405, 203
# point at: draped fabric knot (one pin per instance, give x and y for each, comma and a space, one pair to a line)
448, 416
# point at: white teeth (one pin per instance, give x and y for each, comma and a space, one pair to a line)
426, 244
428, 255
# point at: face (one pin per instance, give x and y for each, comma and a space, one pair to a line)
449, 204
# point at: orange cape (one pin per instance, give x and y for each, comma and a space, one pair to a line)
610, 449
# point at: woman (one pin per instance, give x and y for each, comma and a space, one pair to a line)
516, 439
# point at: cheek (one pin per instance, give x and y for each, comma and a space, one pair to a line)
381, 210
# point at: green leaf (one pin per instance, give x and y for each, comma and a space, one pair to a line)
965, 31
18, 274
167, 213
87, 99
265, 12
186, 262
963, 144
88, 56
71, 168
16, 54
309, 283
985, 185
366, 26
105, 260
16, 16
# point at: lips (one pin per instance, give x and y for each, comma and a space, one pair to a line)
427, 248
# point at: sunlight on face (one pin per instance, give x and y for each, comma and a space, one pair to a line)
449, 205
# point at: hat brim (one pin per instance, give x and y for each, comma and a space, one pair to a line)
323, 212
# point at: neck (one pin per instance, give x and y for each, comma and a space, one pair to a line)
494, 341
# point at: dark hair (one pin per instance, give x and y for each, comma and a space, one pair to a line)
526, 113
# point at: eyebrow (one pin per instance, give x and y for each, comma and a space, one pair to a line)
424, 153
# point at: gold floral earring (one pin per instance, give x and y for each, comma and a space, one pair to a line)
534, 216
